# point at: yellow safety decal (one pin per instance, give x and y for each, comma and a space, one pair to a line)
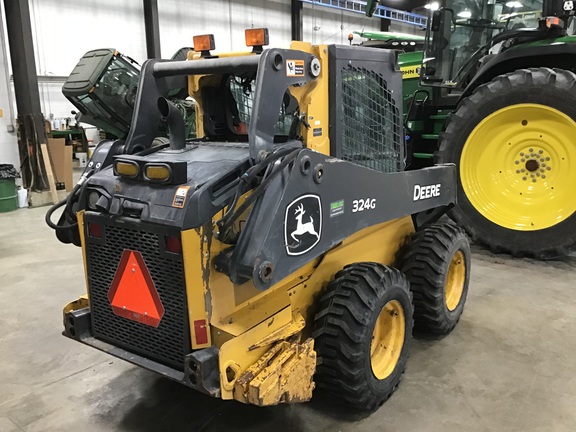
410, 72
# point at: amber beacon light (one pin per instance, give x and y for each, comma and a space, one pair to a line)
204, 43
256, 38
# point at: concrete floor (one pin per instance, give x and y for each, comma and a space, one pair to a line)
508, 366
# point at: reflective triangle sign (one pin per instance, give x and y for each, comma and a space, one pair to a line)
132, 294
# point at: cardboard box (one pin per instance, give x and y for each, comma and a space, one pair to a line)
61, 156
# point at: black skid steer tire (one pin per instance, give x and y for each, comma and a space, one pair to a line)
437, 265
363, 297
505, 203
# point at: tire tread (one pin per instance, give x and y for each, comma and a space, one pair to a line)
425, 264
340, 331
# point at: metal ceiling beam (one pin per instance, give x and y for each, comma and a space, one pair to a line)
296, 17
30, 117
21, 44
384, 24
152, 28
359, 6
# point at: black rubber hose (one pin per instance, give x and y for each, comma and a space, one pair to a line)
251, 174
225, 224
66, 201
48, 217
69, 202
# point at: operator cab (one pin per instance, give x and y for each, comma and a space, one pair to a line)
464, 33
228, 100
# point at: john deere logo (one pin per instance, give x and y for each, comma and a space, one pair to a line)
410, 72
302, 224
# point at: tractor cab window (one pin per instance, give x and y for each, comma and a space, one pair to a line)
117, 88
461, 33
104, 91
518, 14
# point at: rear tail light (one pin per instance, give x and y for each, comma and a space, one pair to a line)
173, 244
95, 230
201, 331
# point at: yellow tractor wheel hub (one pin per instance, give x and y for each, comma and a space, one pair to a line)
455, 279
387, 339
518, 167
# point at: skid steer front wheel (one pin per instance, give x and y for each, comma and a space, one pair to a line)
437, 265
362, 334
513, 143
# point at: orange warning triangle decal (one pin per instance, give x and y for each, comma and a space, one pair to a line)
132, 294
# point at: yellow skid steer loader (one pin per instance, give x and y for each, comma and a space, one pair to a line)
285, 248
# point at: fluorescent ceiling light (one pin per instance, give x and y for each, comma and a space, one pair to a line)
465, 14
514, 4
433, 6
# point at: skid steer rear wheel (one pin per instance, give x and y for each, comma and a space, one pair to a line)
513, 142
362, 334
437, 265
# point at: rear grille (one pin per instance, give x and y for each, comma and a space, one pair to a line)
170, 341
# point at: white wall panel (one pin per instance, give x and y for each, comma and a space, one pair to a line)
180, 20
273, 14
399, 27
331, 26
64, 30
226, 19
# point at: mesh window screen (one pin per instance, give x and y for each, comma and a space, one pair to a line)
370, 121
244, 98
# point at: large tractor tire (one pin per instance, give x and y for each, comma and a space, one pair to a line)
362, 334
513, 141
437, 265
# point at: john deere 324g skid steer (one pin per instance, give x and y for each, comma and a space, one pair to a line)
286, 248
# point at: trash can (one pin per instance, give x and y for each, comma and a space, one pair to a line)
8, 194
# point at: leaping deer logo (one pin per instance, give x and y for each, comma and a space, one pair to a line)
302, 224
303, 228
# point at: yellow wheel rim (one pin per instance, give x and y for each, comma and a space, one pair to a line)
387, 339
455, 279
518, 167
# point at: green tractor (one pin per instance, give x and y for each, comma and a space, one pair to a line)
391, 40
494, 91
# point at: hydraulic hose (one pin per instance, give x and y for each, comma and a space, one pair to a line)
252, 172
226, 223
68, 213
